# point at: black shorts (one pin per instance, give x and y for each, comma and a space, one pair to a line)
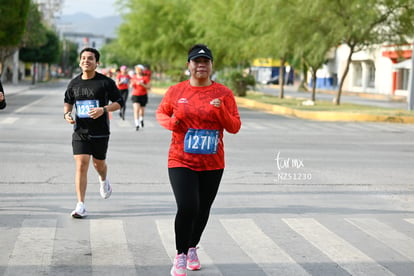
97, 147
142, 100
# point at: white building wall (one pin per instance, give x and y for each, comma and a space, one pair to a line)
383, 77
364, 64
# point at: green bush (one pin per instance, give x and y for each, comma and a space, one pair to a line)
239, 82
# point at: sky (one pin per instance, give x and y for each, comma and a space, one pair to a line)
96, 8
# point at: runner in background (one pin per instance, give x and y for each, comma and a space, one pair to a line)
140, 85
122, 82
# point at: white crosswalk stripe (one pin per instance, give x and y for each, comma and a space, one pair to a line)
116, 251
110, 248
32, 253
382, 232
410, 220
166, 231
8, 121
261, 249
341, 252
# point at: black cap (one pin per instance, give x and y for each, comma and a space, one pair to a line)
200, 50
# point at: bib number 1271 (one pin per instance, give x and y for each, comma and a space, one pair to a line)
201, 141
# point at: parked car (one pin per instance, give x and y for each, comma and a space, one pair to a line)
275, 80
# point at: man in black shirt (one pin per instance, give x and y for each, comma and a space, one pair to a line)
90, 93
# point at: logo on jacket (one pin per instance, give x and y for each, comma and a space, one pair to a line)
183, 100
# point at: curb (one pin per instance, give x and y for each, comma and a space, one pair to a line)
328, 116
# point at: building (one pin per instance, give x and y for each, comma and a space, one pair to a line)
383, 69
86, 39
266, 69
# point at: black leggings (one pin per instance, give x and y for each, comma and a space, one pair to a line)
124, 95
194, 193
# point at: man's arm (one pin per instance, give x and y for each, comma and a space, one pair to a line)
67, 113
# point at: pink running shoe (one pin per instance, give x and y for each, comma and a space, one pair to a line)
179, 268
192, 259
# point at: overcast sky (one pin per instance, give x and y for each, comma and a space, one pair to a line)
96, 8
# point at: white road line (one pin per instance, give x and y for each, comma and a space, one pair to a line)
410, 220
261, 249
166, 232
337, 249
9, 120
109, 246
33, 250
23, 108
385, 234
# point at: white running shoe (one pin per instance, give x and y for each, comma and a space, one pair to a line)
80, 211
106, 189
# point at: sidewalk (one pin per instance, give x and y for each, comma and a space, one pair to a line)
10, 89
370, 99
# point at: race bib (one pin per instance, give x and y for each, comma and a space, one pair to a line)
201, 141
83, 107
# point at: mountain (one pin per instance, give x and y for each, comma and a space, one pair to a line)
85, 23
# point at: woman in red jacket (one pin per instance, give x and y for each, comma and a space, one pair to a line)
197, 111
122, 82
140, 84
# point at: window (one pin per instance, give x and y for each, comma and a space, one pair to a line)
403, 76
356, 74
371, 74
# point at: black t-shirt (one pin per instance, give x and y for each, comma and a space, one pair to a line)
95, 92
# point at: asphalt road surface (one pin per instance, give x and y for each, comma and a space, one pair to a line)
297, 198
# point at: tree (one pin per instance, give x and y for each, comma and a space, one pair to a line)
252, 29
69, 59
160, 32
48, 53
13, 14
35, 31
114, 53
228, 27
310, 40
156, 32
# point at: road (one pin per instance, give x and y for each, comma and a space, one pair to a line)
297, 198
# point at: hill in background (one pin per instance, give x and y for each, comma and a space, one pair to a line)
85, 23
